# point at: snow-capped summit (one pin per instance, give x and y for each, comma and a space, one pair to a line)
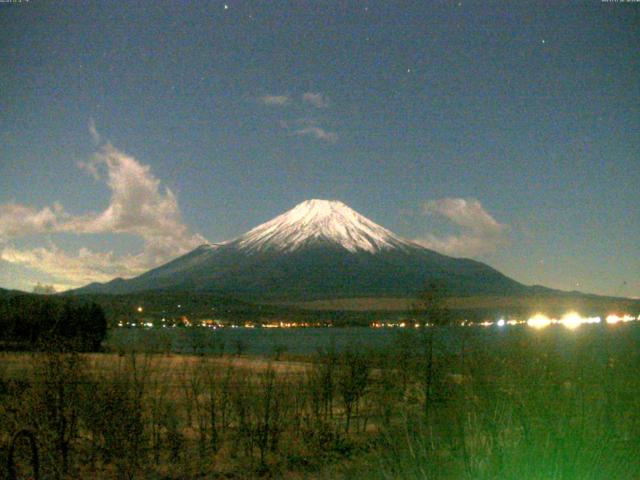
319, 249
326, 221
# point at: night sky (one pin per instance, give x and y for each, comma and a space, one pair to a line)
508, 132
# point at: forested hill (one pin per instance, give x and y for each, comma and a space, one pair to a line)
29, 321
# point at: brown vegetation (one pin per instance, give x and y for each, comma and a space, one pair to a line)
533, 405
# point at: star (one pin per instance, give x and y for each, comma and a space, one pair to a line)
544, 41
226, 7
408, 70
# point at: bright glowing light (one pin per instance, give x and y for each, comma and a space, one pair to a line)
139, 309
539, 321
591, 319
613, 319
501, 322
572, 320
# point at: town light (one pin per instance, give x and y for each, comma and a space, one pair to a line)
539, 321
571, 320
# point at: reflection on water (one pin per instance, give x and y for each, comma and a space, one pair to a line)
301, 341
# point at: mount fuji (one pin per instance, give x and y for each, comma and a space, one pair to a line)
320, 249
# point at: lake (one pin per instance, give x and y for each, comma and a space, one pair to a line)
303, 341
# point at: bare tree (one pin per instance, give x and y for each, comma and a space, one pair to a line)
430, 306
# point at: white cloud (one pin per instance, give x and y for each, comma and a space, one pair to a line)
276, 100
74, 270
138, 206
480, 232
319, 133
467, 213
19, 220
318, 100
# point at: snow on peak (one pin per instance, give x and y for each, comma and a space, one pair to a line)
322, 220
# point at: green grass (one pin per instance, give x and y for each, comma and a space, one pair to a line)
535, 409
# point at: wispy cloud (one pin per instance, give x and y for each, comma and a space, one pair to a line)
305, 126
97, 139
138, 206
319, 133
276, 100
19, 220
480, 232
318, 100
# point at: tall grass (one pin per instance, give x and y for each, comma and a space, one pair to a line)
536, 405
536, 408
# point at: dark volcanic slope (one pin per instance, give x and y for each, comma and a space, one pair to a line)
319, 249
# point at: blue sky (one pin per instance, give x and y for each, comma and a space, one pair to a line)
133, 131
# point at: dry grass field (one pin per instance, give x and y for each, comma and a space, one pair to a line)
539, 405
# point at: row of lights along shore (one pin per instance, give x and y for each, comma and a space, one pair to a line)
571, 320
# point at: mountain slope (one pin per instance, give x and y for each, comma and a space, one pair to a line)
319, 249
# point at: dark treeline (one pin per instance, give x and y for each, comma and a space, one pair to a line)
197, 306
174, 306
30, 321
